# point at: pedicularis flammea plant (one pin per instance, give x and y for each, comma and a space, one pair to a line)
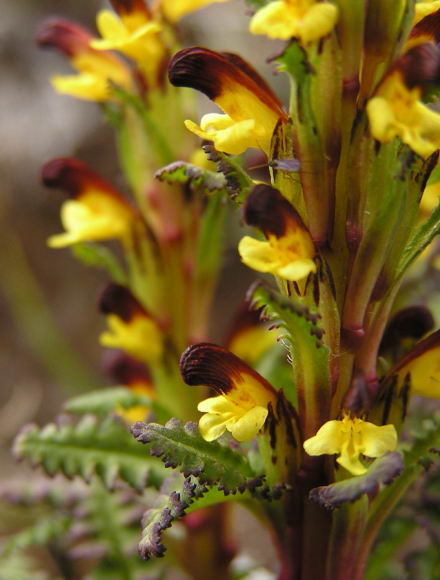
317, 413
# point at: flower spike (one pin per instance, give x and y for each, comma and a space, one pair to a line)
288, 251
241, 406
96, 212
131, 327
306, 20
133, 32
95, 69
251, 108
396, 108
350, 438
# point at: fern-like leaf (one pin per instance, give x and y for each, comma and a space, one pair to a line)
195, 177
382, 471
158, 519
89, 448
105, 401
182, 446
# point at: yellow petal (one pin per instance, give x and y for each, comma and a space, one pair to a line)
258, 255
328, 440
422, 365
219, 405
140, 337
175, 9
283, 20
82, 86
297, 270
247, 427
212, 426
377, 440
352, 464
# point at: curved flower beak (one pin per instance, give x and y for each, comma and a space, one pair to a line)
96, 212
174, 10
305, 20
130, 327
133, 32
289, 250
244, 396
350, 438
251, 108
421, 368
96, 70
396, 108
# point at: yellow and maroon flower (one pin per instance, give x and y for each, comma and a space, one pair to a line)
96, 69
133, 374
251, 108
289, 251
421, 368
95, 210
130, 327
133, 32
426, 24
306, 20
350, 438
243, 396
396, 108
173, 10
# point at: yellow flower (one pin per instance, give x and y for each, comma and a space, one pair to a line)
424, 9
306, 20
130, 326
350, 438
251, 108
133, 374
250, 338
96, 212
96, 70
175, 9
421, 367
289, 250
244, 396
133, 32
396, 109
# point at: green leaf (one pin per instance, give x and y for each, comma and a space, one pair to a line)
182, 446
20, 567
210, 241
100, 257
41, 532
300, 327
158, 519
381, 472
105, 401
238, 182
87, 449
193, 176
421, 238
56, 493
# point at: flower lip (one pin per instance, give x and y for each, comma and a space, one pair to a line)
214, 366
268, 210
210, 72
117, 299
66, 36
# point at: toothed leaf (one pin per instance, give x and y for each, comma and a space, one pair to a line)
238, 182
40, 533
106, 401
381, 472
182, 446
158, 519
87, 449
192, 175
